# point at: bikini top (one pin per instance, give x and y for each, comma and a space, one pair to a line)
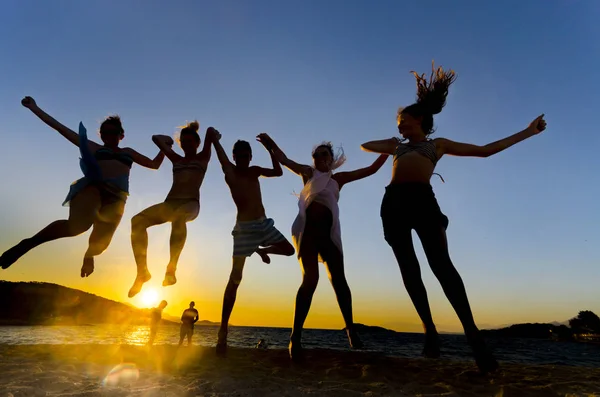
105, 153
188, 166
424, 148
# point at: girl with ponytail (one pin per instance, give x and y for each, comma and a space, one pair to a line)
181, 205
409, 203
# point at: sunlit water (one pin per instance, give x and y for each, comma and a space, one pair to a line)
529, 351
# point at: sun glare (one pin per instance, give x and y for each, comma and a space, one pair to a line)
149, 297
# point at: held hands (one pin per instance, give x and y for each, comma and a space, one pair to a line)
28, 102
266, 141
213, 134
538, 125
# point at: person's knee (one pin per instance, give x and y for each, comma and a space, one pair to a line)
77, 227
139, 223
310, 281
288, 249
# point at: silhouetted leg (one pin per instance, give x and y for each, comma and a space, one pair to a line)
83, 210
281, 248
310, 278
151, 216
235, 278
181, 334
402, 245
189, 336
334, 261
177, 241
104, 228
185, 213
435, 245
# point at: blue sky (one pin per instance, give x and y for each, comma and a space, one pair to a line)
523, 224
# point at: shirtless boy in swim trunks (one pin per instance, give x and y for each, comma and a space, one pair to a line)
253, 229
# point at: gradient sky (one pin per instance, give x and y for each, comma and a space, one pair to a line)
523, 224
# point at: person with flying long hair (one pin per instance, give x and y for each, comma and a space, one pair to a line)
409, 203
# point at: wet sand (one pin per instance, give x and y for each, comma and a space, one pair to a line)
114, 370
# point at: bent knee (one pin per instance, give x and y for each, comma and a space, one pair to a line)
78, 227
289, 250
139, 222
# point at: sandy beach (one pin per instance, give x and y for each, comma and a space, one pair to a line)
114, 370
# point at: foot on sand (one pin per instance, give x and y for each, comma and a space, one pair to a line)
354, 339
13, 254
432, 346
296, 351
170, 278
140, 279
484, 359
222, 343
263, 255
88, 266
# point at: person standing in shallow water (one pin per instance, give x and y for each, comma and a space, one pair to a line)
98, 199
188, 319
182, 204
409, 203
155, 317
252, 229
317, 234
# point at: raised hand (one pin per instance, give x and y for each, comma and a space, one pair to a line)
538, 125
169, 141
28, 102
213, 134
266, 140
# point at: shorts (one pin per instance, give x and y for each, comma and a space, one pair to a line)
410, 206
249, 235
186, 330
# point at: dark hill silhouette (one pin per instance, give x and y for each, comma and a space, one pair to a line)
35, 303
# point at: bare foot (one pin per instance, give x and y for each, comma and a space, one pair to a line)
432, 346
484, 358
13, 254
140, 279
296, 351
263, 255
354, 339
88, 266
222, 342
170, 278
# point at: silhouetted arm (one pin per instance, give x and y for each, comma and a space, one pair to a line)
468, 150
165, 144
144, 161
205, 153
270, 172
384, 146
350, 176
226, 165
277, 154
69, 134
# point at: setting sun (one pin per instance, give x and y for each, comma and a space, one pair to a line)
149, 297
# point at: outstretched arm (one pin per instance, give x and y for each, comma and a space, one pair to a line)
350, 176
144, 161
269, 172
165, 144
468, 150
226, 165
71, 135
206, 149
277, 154
384, 146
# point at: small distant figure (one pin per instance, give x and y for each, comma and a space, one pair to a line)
155, 317
262, 344
188, 319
